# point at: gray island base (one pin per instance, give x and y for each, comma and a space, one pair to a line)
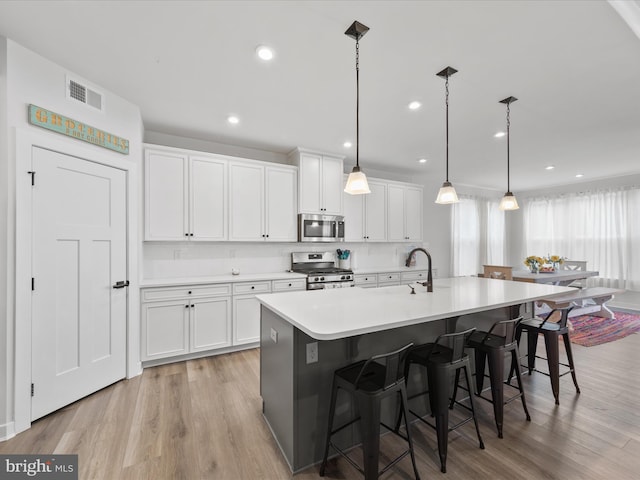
306, 336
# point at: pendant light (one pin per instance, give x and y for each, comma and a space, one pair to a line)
509, 201
357, 181
447, 194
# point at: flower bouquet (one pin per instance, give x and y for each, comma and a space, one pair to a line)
534, 263
555, 261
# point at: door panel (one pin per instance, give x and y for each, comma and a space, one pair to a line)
79, 252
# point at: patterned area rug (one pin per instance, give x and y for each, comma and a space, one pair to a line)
589, 330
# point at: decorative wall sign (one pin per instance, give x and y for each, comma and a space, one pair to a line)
73, 128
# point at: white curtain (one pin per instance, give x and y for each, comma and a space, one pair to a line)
600, 227
477, 230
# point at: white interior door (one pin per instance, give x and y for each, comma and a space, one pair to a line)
79, 253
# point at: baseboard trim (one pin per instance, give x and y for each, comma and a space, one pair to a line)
7, 431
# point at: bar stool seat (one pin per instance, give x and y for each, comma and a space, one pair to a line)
494, 344
369, 382
551, 331
442, 359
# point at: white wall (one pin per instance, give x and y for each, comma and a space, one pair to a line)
27, 78
6, 363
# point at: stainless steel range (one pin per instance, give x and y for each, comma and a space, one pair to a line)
321, 270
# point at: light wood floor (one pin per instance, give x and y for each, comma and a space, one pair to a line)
201, 419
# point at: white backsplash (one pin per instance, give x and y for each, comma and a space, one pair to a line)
198, 259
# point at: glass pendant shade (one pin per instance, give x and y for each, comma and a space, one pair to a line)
447, 194
357, 183
509, 202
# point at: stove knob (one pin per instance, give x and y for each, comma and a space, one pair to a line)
342, 277
316, 279
348, 277
322, 279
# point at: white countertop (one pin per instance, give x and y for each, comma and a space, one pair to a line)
344, 312
243, 277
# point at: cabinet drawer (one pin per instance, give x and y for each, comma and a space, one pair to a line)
251, 287
388, 277
370, 280
156, 294
284, 285
412, 276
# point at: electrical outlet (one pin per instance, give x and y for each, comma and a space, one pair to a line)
312, 352
274, 335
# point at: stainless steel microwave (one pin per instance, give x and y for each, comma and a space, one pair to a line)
320, 228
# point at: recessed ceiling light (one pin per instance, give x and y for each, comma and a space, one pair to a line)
499, 134
415, 105
233, 120
265, 53
422, 160
579, 175
346, 144
549, 167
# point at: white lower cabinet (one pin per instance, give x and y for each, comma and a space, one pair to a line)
388, 279
366, 281
199, 318
180, 320
246, 311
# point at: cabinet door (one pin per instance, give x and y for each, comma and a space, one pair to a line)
246, 320
210, 323
353, 218
396, 213
310, 171
376, 212
166, 196
332, 186
413, 202
165, 329
208, 199
246, 196
281, 204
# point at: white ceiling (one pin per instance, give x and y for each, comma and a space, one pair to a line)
573, 65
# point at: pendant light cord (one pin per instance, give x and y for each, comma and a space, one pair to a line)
358, 102
446, 101
508, 162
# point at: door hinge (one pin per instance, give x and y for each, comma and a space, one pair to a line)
33, 389
33, 178
33, 284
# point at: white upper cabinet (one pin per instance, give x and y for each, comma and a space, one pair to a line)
166, 196
365, 218
185, 197
208, 199
404, 209
320, 182
262, 201
281, 201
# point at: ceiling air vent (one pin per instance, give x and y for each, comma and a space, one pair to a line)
84, 94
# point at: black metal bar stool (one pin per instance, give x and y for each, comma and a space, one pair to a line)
370, 381
494, 344
441, 359
551, 331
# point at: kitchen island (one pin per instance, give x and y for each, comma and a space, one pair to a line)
307, 335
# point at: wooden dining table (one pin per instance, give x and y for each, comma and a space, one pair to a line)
559, 277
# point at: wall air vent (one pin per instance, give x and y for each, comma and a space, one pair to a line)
84, 94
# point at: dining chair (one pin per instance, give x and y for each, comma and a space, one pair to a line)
498, 271
575, 265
